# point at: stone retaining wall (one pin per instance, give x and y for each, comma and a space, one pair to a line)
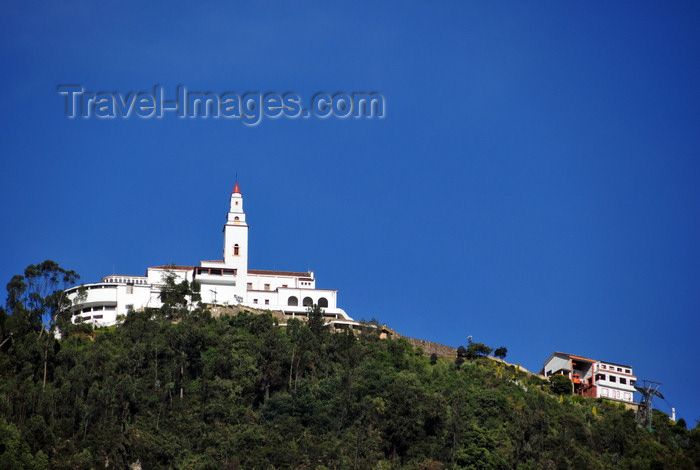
429, 347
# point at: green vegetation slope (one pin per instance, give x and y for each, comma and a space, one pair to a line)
186, 391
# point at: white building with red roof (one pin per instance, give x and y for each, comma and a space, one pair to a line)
225, 282
593, 378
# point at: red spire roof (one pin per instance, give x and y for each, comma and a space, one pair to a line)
236, 189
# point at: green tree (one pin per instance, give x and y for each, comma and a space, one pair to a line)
37, 299
560, 384
480, 451
501, 352
37, 306
178, 298
15, 452
461, 354
475, 350
316, 322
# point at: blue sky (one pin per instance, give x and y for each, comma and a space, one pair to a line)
534, 183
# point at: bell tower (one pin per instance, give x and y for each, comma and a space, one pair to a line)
236, 236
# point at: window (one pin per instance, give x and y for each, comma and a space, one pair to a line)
129, 307
600, 377
236, 250
236, 219
602, 366
267, 286
250, 286
623, 380
129, 288
267, 301
292, 301
284, 285
255, 301
323, 302
613, 378
627, 371
619, 369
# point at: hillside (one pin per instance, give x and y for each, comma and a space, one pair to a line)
239, 392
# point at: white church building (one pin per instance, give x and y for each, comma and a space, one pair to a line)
225, 282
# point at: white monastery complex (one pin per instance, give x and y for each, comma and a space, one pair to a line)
225, 282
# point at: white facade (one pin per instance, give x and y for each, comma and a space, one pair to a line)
593, 378
223, 282
614, 381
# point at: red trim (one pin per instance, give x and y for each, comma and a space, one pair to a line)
309, 289
265, 272
174, 267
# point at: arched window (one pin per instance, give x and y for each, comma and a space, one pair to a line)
236, 250
236, 219
292, 301
323, 302
308, 302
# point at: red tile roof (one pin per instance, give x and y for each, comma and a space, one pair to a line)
581, 358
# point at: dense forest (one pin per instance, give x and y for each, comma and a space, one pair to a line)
176, 388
